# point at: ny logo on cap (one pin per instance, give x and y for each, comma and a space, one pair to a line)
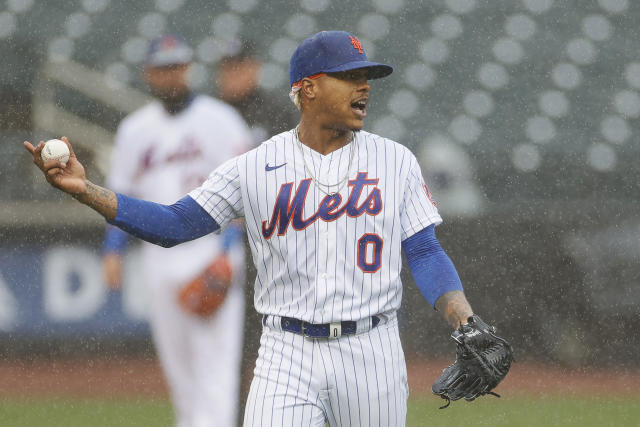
356, 44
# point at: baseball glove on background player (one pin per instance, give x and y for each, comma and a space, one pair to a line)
204, 294
482, 361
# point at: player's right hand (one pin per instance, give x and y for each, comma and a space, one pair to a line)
112, 269
69, 178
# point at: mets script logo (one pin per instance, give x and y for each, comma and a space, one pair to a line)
287, 211
429, 196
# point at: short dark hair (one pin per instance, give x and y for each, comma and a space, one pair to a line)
237, 50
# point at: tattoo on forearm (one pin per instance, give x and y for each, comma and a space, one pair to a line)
455, 308
100, 199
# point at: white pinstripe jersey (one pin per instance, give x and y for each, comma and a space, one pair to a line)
323, 258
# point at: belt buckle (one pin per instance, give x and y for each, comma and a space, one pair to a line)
304, 329
335, 330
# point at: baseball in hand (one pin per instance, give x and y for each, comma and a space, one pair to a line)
55, 149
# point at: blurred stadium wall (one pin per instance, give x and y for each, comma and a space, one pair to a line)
523, 114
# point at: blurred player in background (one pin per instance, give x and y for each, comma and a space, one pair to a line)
237, 79
162, 151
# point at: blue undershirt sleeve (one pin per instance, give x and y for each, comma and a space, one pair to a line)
163, 225
431, 267
232, 235
115, 240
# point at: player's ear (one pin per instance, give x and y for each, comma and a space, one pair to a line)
309, 88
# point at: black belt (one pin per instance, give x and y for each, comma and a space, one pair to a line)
323, 330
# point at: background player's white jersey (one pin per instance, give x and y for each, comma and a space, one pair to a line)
322, 257
159, 157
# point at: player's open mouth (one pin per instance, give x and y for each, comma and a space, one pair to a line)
360, 107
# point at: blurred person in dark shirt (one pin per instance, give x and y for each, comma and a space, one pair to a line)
238, 82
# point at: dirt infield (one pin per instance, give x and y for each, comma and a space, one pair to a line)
117, 377
122, 377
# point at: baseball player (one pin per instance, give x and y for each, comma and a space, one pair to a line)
162, 151
328, 209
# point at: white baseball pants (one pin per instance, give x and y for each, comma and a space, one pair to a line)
354, 380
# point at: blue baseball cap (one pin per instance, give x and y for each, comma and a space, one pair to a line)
168, 50
331, 52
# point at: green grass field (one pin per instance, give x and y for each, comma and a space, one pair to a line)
526, 412
423, 411
85, 412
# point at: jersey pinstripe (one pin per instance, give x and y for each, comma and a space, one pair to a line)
323, 257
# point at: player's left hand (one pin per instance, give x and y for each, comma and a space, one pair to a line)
69, 177
206, 293
483, 359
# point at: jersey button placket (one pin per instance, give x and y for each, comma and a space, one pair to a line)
322, 229
322, 250
331, 176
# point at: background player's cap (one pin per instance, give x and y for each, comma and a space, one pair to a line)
330, 52
168, 50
